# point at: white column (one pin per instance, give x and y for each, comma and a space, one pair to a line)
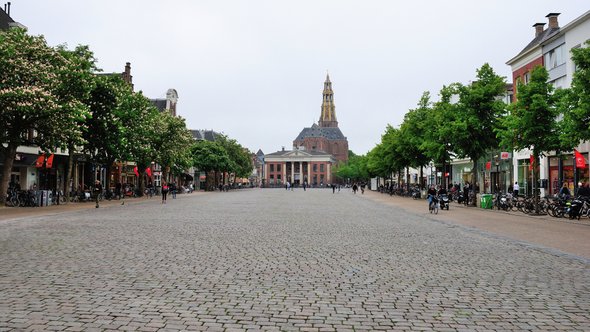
308, 171
266, 175
284, 166
292, 172
329, 171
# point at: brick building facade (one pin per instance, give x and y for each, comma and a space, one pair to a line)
325, 136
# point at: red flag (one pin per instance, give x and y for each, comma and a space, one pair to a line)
580, 161
49, 162
148, 171
40, 161
532, 160
489, 165
135, 171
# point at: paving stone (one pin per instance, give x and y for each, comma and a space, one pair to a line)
279, 261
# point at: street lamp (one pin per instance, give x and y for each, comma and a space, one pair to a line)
431, 173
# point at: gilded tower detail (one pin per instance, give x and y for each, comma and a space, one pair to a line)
328, 115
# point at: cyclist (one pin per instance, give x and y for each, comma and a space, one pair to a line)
431, 194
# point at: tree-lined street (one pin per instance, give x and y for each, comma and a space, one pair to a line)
256, 260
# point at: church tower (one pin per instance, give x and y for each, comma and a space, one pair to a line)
328, 116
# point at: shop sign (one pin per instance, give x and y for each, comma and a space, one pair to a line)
504, 155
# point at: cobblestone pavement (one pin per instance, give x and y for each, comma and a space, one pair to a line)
278, 260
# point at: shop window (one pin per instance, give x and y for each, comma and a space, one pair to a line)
272, 168
278, 167
321, 167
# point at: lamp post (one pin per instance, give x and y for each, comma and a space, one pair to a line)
431, 173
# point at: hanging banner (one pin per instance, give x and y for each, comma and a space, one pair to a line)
504, 155
49, 162
532, 160
489, 165
580, 160
40, 161
135, 171
148, 171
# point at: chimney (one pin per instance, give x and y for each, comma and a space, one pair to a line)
538, 28
552, 20
8, 9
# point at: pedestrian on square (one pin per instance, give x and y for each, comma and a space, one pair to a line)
118, 190
354, 188
333, 188
565, 191
304, 185
515, 189
584, 190
97, 191
466, 193
165, 190
173, 190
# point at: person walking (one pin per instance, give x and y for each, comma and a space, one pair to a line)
333, 188
97, 191
515, 189
466, 193
173, 190
165, 190
565, 191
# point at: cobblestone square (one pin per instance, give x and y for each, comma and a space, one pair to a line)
281, 261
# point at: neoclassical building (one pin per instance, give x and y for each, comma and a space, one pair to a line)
297, 167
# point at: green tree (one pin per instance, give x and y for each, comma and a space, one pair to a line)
209, 157
239, 158
440, 127
174, 143
140, 121
31, 111
354, 169
532, 123
412, 132
78, 80
478, 116
104, 137
574, 103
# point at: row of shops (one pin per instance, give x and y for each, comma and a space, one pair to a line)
499, 171
34, 171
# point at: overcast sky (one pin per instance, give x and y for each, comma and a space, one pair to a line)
254, 70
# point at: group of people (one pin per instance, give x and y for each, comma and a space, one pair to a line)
120, 191
583, 190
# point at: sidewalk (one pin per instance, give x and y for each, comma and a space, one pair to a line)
10, 213
572, 237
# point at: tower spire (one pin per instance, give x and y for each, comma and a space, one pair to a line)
328, 115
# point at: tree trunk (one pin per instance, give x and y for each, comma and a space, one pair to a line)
69, 173
535, 185
109, 167
6, 170
474, 182
141, 183
421, 177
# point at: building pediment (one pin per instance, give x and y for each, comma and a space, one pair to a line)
297, 153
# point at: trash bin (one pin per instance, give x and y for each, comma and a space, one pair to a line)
486, 201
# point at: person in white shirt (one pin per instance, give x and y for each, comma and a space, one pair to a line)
515, 189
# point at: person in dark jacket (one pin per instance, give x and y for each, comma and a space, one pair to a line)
97, 191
